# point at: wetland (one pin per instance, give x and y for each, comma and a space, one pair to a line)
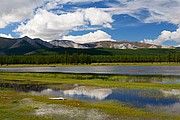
26, 94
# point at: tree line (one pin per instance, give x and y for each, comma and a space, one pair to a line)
85, 59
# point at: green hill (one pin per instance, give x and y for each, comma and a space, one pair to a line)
105, 51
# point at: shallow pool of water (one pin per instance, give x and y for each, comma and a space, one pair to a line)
134, 98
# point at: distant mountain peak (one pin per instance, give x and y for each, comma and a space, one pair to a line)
33, 43
25, 37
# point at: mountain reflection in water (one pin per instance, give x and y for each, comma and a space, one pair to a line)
26, 87
94, 93
82, 92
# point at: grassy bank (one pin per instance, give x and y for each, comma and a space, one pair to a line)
93, 64
92, 80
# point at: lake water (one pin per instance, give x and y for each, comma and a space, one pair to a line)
137, 98
123, 70
157, 99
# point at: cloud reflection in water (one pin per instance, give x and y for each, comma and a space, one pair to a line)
97, 93
89, 92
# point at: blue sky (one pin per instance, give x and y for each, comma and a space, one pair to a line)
156, 21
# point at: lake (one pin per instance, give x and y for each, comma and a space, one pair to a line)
122, 70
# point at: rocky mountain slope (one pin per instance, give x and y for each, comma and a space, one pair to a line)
6, 42
21, 45
70, 44
35, 43
103, 44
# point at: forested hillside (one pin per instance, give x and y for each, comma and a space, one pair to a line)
87, 59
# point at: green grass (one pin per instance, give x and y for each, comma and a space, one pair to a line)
10, 107
93, 64
91, 80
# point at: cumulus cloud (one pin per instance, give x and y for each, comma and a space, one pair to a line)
165, 36
17, 10
49, 26
6, 36
90, 37
98, 17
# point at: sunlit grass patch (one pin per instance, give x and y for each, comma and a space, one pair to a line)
85, 79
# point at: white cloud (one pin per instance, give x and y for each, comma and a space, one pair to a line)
98, 17
49, 26
6, 36
76, 1
177, 45
90, 37
17, 10
165, 36
157, 10
51, 5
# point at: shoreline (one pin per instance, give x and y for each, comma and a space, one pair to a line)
93, 64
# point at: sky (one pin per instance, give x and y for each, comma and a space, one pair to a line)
82, 21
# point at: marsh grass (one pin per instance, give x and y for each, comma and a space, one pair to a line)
91, 80
94, 64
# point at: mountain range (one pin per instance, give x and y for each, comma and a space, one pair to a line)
103, 44
27, 45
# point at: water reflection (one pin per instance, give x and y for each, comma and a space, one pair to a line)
24, 87
151, 79
48, 92
90, 92
172, 109
142, 98
127, 70
168, 109
136, 98
81, 93
172, 92
169, 81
